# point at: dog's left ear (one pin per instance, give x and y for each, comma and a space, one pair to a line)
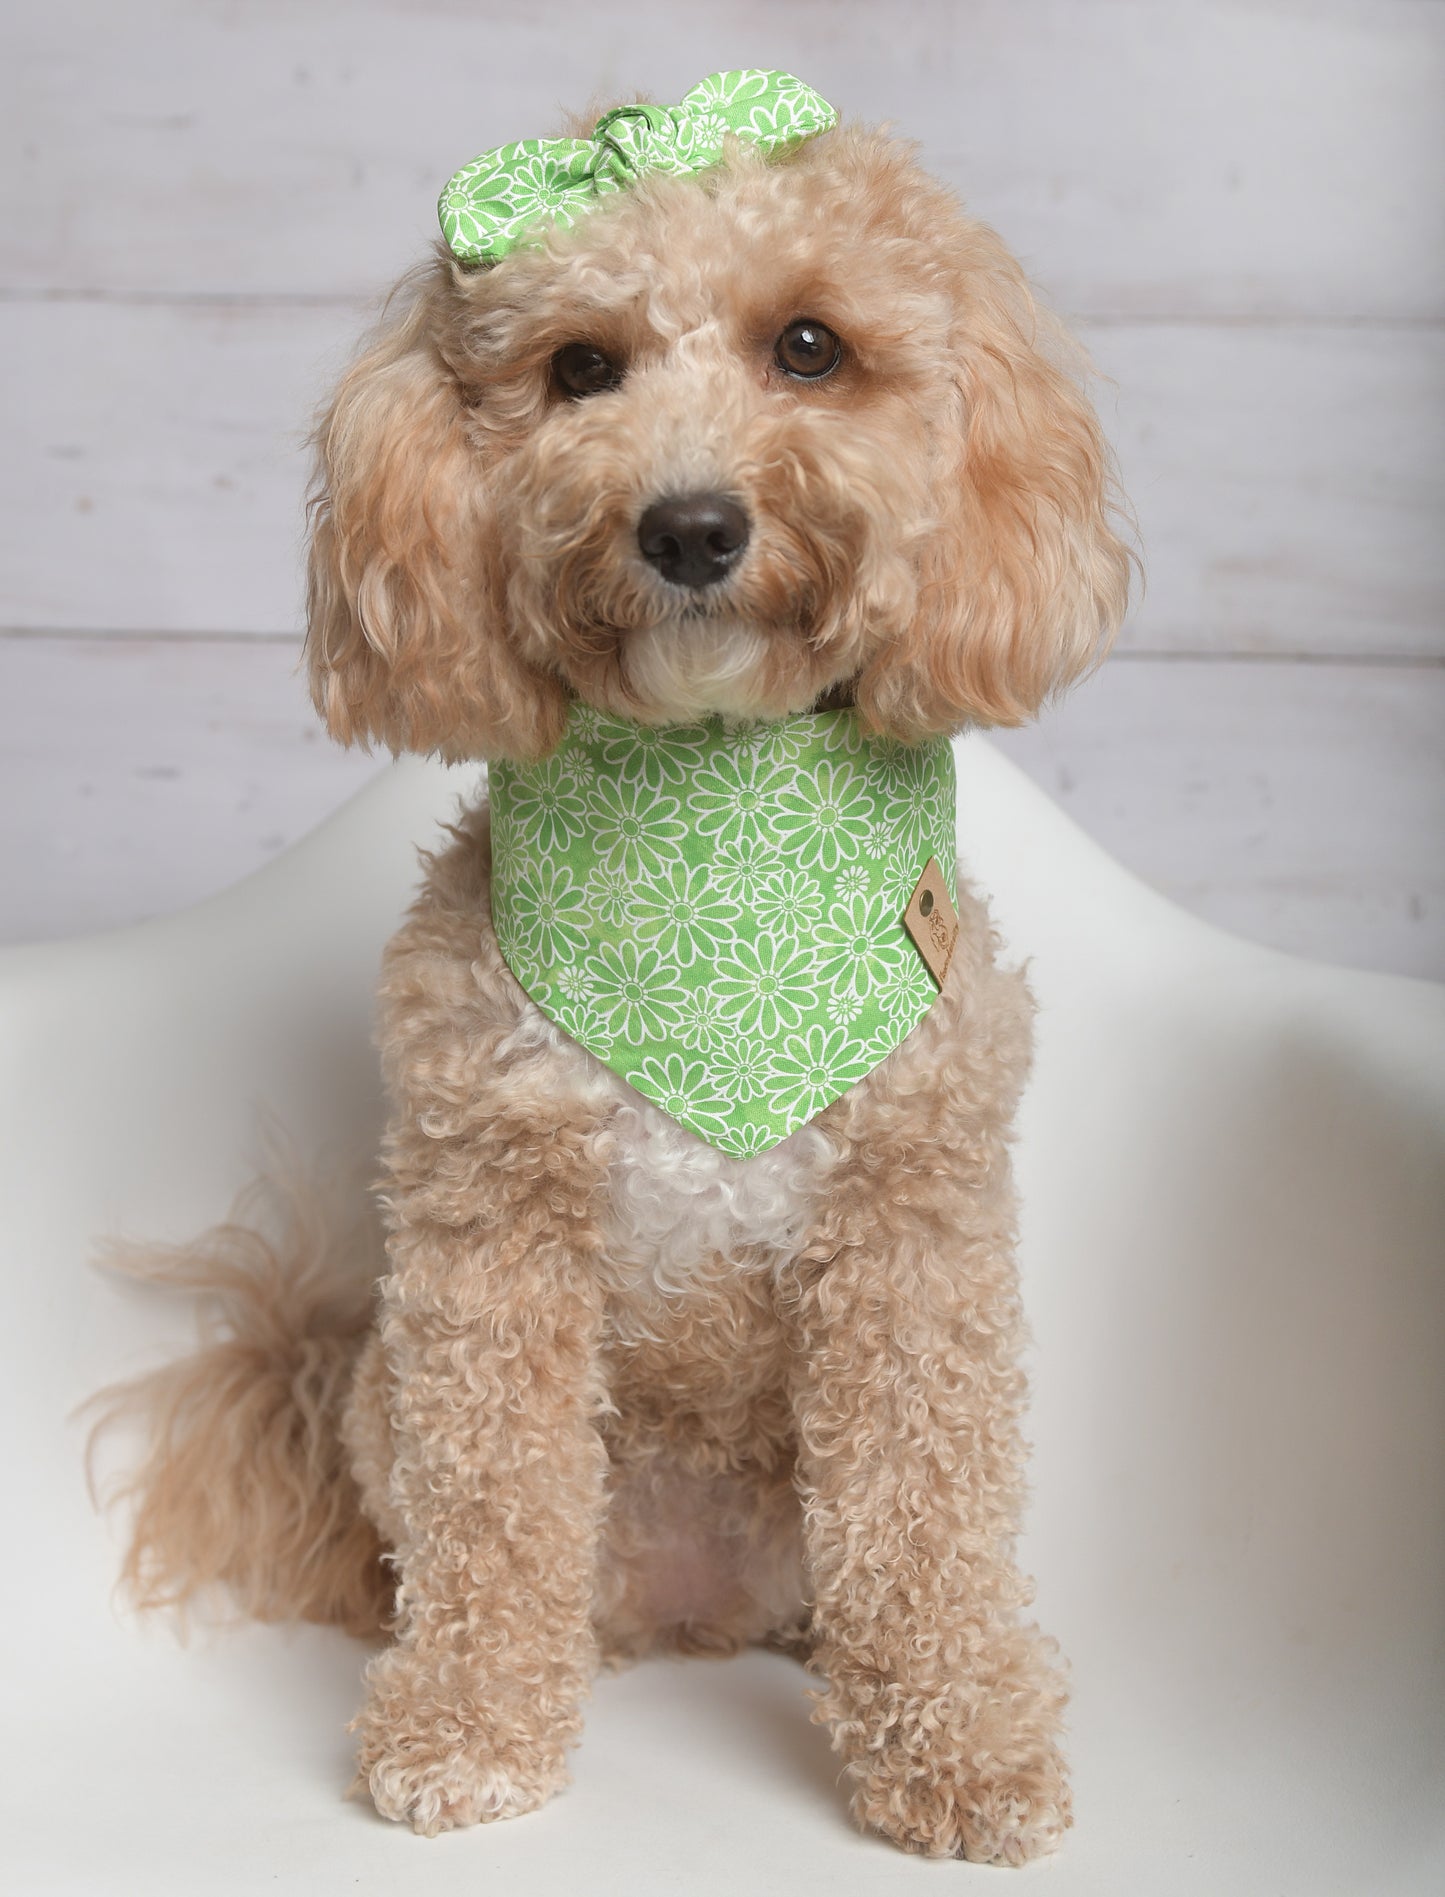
1023, 580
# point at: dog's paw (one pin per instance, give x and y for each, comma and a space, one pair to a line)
428, 1766
435, 1791
989, 1817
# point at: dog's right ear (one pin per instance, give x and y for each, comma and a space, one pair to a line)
406, 641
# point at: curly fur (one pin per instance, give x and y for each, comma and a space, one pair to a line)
621, 1391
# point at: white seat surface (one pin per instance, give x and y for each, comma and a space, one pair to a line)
1234, 1206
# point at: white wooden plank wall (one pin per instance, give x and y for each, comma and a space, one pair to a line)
1241, 202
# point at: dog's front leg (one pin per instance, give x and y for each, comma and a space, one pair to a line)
943, 1701
490, 1327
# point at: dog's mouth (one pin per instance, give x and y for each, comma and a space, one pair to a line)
696, 608
697, 660
697, 663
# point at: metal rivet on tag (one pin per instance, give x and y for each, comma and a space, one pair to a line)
925, 903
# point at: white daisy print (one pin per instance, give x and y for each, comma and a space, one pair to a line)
824, 818
685, 915
543, 911
651, 754
584, 724
875, 1049
545, 806
860, 943
636, 830
577, 1019
584, 770
746, 1137
635, 993
765, 986
684, 1088
573, 983
742, 1067
906, 992
742, 866
905, 865
699, 1019
919, 786
844, 1007
788, 902
807, 1072
609, 892
778, 745
729, 795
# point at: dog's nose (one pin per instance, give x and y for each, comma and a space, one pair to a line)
693, 539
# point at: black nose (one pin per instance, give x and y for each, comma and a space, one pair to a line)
693, 539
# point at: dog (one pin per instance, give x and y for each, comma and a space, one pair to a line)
766, 447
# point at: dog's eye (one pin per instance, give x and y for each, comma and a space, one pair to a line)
808, 350
583, 369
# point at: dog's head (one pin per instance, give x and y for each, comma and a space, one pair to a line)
776, 435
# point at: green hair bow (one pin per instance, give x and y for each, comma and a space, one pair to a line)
488, 207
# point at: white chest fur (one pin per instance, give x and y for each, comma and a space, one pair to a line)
680, 1208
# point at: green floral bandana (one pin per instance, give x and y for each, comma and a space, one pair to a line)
714, 909
492, 203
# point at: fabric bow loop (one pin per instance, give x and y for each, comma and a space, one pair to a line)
492, 204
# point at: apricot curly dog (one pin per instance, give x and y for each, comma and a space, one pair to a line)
713, 475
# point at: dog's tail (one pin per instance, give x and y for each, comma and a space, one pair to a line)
244, 1485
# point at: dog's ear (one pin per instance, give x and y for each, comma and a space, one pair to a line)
1023, 581
405, 642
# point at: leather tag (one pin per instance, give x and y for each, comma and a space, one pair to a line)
932, 920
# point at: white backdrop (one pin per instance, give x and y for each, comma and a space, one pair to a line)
1239, 202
